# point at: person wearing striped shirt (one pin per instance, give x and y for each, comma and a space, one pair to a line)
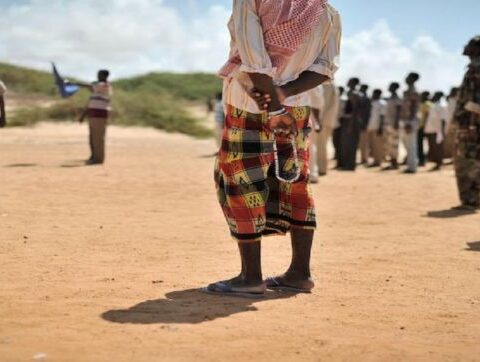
98, 111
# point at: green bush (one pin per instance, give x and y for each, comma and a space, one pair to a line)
191, 87
161, 112
26, 117
23, 80
158, 100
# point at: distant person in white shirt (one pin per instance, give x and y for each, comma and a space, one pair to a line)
450, 129
375, 128
329, 117
3, 114
317, 104
435, 129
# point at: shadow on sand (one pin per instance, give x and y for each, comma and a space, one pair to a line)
20, 165
69, 165
473, 246
188, 306
208, 156
74, 163
449, 214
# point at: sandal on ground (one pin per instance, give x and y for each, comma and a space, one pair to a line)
465, 208
274, 284
222, 288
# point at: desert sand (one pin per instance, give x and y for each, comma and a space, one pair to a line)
104, 263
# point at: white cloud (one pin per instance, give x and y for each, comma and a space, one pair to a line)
128, 37
132, 37
377, 56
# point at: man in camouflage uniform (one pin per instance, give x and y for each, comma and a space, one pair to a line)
467, 117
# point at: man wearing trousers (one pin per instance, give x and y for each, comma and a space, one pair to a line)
410, 107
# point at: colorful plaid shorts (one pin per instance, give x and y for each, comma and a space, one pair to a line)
253, 200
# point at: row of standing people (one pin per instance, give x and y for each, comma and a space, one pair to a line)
374, 126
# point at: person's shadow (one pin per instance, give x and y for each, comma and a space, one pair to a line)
449, 213
73, 164
21, 165
473, 246
188, 306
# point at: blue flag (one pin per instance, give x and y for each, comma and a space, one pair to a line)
66, 90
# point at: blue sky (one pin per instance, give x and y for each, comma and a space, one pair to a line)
383, 39
450, 22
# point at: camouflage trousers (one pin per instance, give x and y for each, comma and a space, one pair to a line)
467, 167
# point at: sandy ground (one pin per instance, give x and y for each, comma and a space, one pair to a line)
103, 263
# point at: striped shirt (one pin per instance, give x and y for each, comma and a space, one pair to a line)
100, 98
319, 53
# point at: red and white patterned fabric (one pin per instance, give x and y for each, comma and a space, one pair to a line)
285, 24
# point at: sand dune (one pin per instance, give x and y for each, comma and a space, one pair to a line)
102, 263
17, 100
